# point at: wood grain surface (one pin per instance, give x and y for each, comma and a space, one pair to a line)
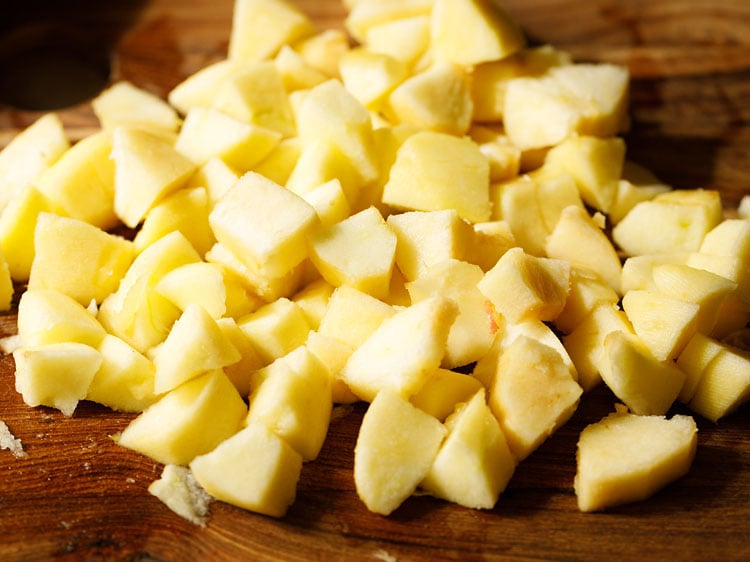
77, 496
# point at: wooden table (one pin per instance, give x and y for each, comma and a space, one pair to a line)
80, 497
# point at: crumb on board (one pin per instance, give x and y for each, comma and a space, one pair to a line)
10, 442
179, 491
384, 555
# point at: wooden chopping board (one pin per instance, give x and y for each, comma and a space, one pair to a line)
77, 496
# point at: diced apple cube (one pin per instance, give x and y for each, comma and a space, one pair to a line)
47, 316
359, 251
17, 224
403, 351
694, 359
646, 385
595, 164
320, 162
199, 89
489, 242
209, 133
81, 183
126, 104
578, 239
255, 95
261, 27
427, 238
405, 39
396, 446
188, 421
371, 76
254, 469
369, 13
56, 374
517, 202
324, 50
281, 220
328, 112
472, 332
296, 403
585, 344
584, 98
77, 258
125, 378
474, 464
353, 315
30, 153
436, 99
587, 289
670, 222
532, 394
724, 385
664, 323
295, 72
423, 179
185, 210
195, 345
443, 391
147, 168
494, 34
627, 458
276, 328
521, 286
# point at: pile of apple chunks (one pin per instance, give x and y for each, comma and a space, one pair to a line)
419, 211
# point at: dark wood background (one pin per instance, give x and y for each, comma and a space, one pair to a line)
80, 497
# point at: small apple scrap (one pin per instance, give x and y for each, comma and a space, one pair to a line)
420, 212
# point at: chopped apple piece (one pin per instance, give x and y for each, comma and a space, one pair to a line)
81, 183
359, 251
584, 98
443, 391
626, 458
281, 220
403, 351
578, 239
56, 374
396, 446
125, 378
367, 14
664, 323
532, 394
320, 162
29, 154
17, 224
276, 328
517, 202
694, 359
494, 34
47, 316
423, 179
185, 210
295, 403
595, 164
489, 242
353, 315
585, 344
472, 332
255, 95
77, 258
328, 112
209, 133
261, 27
6, 284
724, 384
324, 50
474, 464
188, 421
195, 345
670, 222
371, 76
405, 39
125, 104
427, 238
521, 286
587, 290
180, 492
646, 385
436, 99
253, 469
199, 89
196, 283
147, 168
295, 72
